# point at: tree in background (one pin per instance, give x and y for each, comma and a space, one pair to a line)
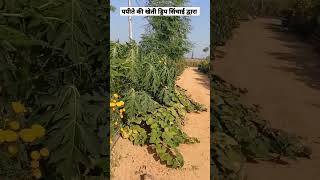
167, 35
206, 49
144, 76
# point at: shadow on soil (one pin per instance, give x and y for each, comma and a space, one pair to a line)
152, 152
304, 61
204, 80
316, 105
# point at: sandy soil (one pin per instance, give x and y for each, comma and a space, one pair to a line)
282, 74
133, 161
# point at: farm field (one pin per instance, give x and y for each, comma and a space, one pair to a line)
53, 90
281, 75
245, 106
260, 134
160, 120
136, 161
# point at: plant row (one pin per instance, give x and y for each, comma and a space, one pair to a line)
143, 77
238, 132
147, 107
53, 89
303, 16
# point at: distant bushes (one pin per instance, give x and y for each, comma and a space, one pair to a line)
192, 63
204, 66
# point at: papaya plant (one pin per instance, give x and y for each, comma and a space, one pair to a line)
54, 61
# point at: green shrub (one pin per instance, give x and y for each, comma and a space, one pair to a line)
154, 106
204, 66
304, 17
239, 133
144, 76
53, 60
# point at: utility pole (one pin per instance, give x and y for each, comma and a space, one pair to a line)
130, 22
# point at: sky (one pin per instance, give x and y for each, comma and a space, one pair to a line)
199, 35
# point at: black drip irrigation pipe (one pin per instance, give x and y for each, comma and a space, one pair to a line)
115, 139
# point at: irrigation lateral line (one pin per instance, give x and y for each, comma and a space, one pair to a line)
116, 139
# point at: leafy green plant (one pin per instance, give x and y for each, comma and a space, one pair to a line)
159, 126
167, 35
226, 15
240, 134
204, 66
22, 154
53, 60
304, 18
144, 75
155, 107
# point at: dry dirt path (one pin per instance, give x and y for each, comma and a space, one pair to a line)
282, 74
133, 161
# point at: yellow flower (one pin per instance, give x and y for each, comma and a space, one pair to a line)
121, 116
124, 109
116, 95
121, 111
38, 130
14, 125
18, 107
34, 164
114, 101
36, 173
113, 109
112, 104
125, 134
116, 123
12, 149
10, 136
35, 155
120, 103
44, 152
27, 135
